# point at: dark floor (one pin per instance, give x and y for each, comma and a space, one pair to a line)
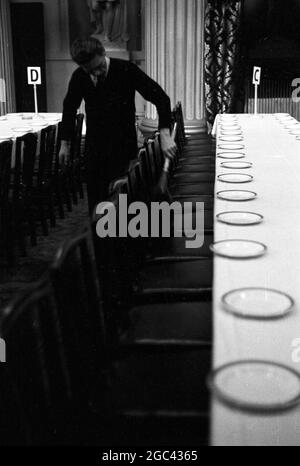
31, 267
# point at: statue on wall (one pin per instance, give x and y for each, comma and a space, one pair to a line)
110, 20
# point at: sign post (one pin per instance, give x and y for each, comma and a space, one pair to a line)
34, 78
256, 82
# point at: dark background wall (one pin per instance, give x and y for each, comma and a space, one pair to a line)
29, 50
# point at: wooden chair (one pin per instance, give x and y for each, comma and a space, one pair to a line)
44, 187
127, 382
35, 390
76, 160
6, 233
79, 302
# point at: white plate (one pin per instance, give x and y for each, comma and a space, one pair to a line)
236, 165
22, 129
238, 249
39, 123
231, 155
236, 195
231, 132
30, 116
235, 178
260, 386
227, 116
257, 303
230, 127
230, 146
6, 136
230, 138
51, 118
239, 218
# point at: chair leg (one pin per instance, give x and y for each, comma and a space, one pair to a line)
51, 210
60, 203
21, 237
43, 218
66, 193
74, 192
81, 192
9, 241
32, 227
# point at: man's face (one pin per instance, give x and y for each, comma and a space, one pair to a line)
97, 67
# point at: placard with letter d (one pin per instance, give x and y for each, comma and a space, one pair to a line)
34, 77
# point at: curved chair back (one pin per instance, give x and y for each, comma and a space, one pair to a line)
75, 281
35, 391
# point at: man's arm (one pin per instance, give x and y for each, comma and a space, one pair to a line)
153, 92
70, 106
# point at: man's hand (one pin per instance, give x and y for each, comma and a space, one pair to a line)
64, 154
168, 145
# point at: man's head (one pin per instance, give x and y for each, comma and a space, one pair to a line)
89, 54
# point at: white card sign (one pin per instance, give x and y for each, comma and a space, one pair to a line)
34, 75
256, 75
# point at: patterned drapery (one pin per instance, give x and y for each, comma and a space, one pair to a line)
7, 86
222, 55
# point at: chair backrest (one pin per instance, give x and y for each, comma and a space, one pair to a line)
75, 281
35, 395
145, 172
152, 164
180, 120
47, 155
5, 171
118, 259
76, 140
29, 158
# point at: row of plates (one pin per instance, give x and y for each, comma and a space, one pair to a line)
19, 124
255, 385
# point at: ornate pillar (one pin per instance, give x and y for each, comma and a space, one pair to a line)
174, 50
7, 90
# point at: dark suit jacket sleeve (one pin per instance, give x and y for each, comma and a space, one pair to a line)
71, 103
152, 92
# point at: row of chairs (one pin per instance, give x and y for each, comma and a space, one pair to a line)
33, 188
114, 344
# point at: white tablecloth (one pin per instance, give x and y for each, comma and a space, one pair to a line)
29, 121
276, 169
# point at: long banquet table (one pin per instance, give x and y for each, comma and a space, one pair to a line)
13, 125
275, 154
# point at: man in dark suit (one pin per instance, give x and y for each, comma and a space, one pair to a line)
108, 87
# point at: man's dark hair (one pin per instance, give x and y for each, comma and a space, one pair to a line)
84, 50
